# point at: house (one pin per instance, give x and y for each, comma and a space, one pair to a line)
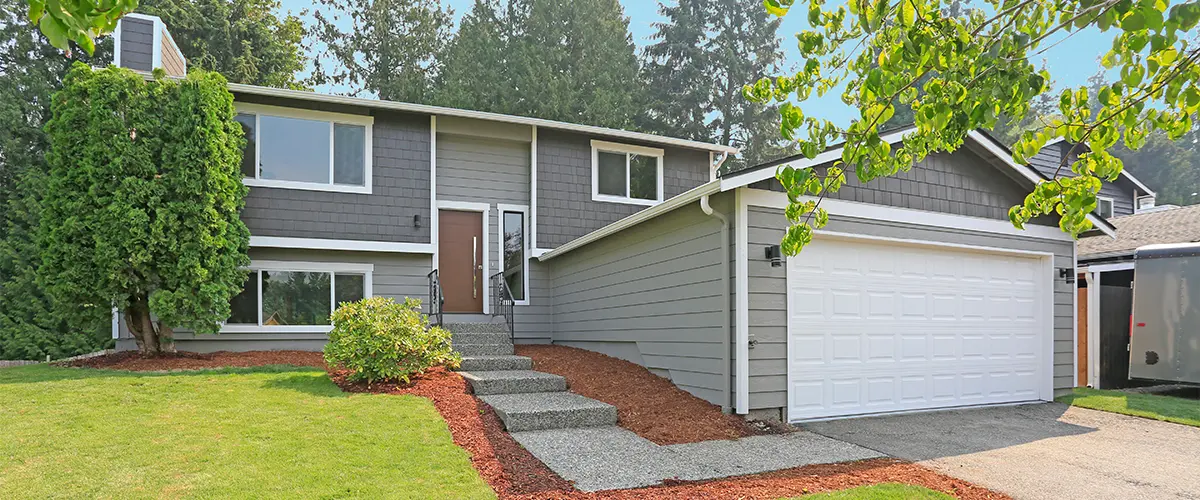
919, 294
1106, 267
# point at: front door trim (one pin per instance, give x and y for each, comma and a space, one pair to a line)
485, 212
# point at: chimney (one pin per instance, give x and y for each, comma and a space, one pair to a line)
142, 43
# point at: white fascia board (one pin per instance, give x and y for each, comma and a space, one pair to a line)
635, 219
1104, 268
739, 180
346, 245
478, 115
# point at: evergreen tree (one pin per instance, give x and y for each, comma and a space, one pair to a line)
676, 66
475, 74
241, 39
391, 48
703, 55
573, 61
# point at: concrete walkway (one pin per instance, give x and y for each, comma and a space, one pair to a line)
1042, 451
606, 458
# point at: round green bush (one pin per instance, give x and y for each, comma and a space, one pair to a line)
378, 339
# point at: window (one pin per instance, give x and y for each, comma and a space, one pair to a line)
622, 173
1104, 207
300, 149
1145, 202
295, 296
513, 251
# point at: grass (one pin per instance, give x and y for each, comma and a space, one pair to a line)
884, 491
1165, 408
271, 432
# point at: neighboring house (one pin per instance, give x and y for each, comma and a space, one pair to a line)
919, 294
1106, 271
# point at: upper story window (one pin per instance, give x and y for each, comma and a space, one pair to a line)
624, 173
1104, 207
301, 149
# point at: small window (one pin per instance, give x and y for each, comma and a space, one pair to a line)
623, 173
299, 149
1104, 207
1145, 202
277, 298
514, 253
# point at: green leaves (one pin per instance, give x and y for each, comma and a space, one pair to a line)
78, 21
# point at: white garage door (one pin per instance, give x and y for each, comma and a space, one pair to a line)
879, 326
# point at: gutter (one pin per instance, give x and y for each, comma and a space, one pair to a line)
727, 405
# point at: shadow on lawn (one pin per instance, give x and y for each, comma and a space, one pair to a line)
316, 383
44, 373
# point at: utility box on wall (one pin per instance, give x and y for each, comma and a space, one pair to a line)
1165, 335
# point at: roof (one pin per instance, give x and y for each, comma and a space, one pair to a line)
1179, 225
998, 150
1124, 172
478, 115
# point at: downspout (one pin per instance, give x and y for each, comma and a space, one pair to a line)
726, 376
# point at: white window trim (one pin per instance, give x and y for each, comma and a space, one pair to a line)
1112, 206
500, 209
627, 149
368, 122
367, 270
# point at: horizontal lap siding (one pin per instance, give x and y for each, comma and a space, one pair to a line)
137, 44
400, 191
395, 275
496, 171
650, 294
768, 293
566, 210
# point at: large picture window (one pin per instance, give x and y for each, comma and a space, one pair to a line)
295, 296
624, 173
514, 250
300, 149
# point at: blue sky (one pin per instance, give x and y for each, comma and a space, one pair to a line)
1071, 62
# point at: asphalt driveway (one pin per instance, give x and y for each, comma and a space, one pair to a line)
1049, 450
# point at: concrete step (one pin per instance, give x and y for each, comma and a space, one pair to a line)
550, 410
476, 327
480, 338
513, 382
495, 363
469, 318
505, 349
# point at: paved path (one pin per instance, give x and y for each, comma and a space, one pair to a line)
1043, 451
606, 458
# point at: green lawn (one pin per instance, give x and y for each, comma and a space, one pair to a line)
272, 432
1167, 408
885, 491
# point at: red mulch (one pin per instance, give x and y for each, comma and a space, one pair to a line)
133, 361
647, 404
514, 473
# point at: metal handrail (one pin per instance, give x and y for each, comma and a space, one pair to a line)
502, 301
436, 299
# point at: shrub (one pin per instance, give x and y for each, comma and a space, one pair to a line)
379, 339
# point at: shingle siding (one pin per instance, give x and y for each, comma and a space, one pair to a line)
400, 190
565, 207
137, 44
959, 183
1047, 162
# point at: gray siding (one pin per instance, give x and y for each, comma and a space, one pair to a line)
137, 44
565, 207
1047, 162
768, 294
652, 295
395, 275
960, 183
400, 190
496, 171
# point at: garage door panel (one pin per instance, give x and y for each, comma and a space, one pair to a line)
876, 328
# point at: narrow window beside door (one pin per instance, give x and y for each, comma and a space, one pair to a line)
513, 244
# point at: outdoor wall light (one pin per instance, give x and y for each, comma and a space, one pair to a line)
417, 221
1067, 274
775, 255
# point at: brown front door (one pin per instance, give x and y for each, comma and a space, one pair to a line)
460, 260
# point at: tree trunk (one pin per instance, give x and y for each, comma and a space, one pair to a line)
137, 317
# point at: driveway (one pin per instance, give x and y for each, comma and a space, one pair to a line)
1037, 451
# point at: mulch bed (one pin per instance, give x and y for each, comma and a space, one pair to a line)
132, 361
514, 473
647, 404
